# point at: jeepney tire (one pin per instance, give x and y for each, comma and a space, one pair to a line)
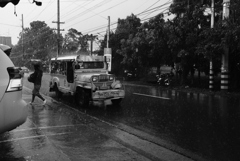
57, 92
82, 98
117, 102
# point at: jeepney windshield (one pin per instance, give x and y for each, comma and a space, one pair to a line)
91, 65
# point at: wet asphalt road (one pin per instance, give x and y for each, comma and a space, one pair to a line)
196, 125
58, 131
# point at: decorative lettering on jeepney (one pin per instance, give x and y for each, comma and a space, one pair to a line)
114, 93
108, 94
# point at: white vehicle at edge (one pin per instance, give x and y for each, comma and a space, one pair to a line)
85, 77
13, 109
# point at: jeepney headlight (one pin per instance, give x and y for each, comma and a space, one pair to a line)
111, 78
95, 78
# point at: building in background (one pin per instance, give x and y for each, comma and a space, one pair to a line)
6, 40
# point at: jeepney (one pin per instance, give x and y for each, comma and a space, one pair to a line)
86, 78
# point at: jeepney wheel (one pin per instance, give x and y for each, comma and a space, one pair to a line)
82, 98
57, 92
117, 101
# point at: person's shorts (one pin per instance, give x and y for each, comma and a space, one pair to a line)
36, 89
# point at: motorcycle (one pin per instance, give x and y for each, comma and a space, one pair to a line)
165, 79
129, 75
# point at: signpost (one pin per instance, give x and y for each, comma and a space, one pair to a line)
108, 56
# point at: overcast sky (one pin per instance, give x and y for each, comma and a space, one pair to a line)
87, 16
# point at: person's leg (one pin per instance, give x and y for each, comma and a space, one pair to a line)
41, 97
37, 87
33, 97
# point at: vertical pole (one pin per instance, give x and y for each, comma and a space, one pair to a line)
22, 39
211, 81
108, 31
91, 43
58, 28
224, 68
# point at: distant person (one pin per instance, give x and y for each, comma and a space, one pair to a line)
37, 84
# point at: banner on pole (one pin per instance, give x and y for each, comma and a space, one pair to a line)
108, 55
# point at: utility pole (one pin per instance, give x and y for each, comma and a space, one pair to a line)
91, 44
22, 39
211, 81
58, 27
224, 68
108, 31
108, 51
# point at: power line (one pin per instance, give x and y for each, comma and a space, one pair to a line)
155, 8
9, 25
141, 5
103, 26
43, 10
151, 6
75, 9
85, 12
143, 12
166, 8
100, 12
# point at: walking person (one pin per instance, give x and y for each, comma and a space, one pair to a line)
37, 84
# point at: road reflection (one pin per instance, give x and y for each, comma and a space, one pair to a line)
207, 125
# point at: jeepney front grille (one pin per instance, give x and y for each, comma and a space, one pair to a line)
103, 78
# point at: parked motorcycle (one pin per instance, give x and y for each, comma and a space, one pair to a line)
165, 79
129, 75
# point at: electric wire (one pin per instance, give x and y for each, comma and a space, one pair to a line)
99, 13
85, 12
75, 9
102, 27
95, 29
136, 14
35, 18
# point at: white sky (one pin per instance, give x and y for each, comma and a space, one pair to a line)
86, 16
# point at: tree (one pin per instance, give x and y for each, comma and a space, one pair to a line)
37, 42
125, 32
157, 37
184, 38
74, 41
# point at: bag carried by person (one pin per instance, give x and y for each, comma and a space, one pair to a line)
31, 78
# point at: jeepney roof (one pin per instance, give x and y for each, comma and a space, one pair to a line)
70, 57
87, 58
83, 58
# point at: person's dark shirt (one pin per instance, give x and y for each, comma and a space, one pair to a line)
38, 76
